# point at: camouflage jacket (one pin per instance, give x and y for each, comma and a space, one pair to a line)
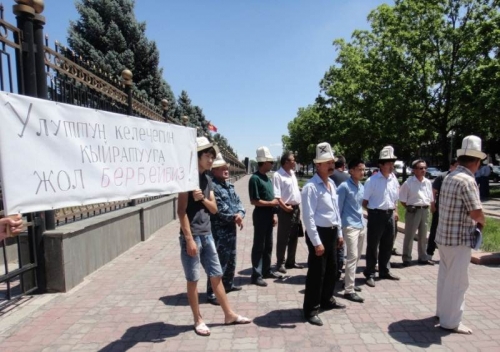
228, 204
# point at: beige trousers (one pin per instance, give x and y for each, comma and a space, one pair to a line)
354, 240
453, 281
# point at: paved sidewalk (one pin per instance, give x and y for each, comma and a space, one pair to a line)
137, 302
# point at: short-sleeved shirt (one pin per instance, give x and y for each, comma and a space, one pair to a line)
415, 192
260, 187
286, 187
459, 196
198, 214
382, 192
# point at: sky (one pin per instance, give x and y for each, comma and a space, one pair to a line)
249, 64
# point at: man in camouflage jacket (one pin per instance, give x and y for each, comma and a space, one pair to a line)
230, 214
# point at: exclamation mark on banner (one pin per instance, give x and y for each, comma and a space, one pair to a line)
190, 165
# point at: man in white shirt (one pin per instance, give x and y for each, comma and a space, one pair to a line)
287, 192
322, 221
381, 199
416, 196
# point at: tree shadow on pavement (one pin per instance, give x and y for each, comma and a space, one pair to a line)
179, 299
154, 332
280, 319
422, 333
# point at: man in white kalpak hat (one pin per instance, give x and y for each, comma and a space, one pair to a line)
381, 200
264, 216
460, 215
322, 221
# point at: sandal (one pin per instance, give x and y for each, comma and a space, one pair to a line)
239, 320
202, 329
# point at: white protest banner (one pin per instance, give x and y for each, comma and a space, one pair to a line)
55, 155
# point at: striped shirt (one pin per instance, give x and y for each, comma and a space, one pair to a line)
459, 195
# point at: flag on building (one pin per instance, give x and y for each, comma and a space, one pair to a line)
211, 127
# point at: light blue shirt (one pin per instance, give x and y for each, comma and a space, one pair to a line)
319, 207
350, 199
381, 192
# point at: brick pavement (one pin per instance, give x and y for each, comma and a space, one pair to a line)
138, 303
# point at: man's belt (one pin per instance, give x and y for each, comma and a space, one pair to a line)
418, 206
382, 211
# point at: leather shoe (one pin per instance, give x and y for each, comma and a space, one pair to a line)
282, 269
333, 305
370, 282
389, 276
213, 300
395, 252
356, 288
354, 297
406, 264
315, 320
273, 275
425, 262
294, 266
234, 288
259, 282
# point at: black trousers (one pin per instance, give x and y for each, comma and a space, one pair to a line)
431, 244
321, 272
286, 238
262, 241
379, 242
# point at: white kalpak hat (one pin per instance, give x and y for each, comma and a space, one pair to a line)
219, 161
387, 154
323, 153
263, 155
203, 143
471, 146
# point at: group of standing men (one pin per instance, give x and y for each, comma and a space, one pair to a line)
331, 216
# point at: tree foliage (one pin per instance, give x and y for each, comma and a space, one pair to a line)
425, 68
108, 35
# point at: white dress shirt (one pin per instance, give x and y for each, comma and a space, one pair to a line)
319, 207
286, 187
382, 193
415, 192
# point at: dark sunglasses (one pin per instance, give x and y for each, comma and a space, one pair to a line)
421, 168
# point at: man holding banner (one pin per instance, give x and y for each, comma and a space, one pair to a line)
197, 244
12, 224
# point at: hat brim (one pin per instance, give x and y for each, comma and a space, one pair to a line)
208, 146
263, 160
470, 152
384, 160
320, 161
214, 166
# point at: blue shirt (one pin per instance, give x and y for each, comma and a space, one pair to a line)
350, 199
381, 192
319, 207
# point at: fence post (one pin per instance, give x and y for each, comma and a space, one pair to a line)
41, 85
25, 15
28, 20
164, 105
127, 80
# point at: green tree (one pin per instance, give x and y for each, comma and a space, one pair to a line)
108, 35
423, 70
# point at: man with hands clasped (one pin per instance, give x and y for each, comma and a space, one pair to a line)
322, 221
